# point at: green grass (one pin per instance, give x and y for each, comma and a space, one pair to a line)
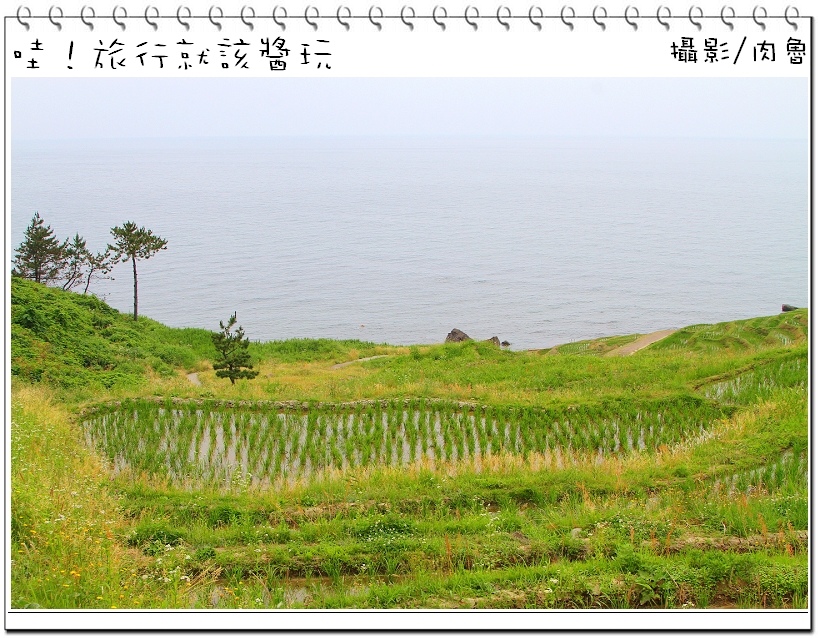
298, 350
594, 347
443, 476
785, 329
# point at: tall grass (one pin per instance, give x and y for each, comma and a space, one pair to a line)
65, 526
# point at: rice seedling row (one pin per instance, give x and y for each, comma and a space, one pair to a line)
760, 382
789, 473
222, 445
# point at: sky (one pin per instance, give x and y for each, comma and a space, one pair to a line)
63, 109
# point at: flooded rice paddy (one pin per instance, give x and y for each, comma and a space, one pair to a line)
266, 443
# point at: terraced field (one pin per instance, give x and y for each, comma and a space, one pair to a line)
444, 476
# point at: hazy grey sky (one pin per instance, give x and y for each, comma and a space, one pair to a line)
153, 107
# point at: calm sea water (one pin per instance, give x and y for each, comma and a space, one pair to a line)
539, 241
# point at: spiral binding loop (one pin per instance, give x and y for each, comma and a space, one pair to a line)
723, 19
85, 20
210, 12
506, 24
403, 17
504, 15
155, 25
597, 20
435, 18
20, 19
115, 18
629, 20
666, 25
698, 25
275, 16
570, 25
378, 25
314, 25
756, 20
249, 24
787, 19
469, 21
51, 17
531, 17
186, 25
340, 19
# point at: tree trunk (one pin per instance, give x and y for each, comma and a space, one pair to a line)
135, 302
88, 281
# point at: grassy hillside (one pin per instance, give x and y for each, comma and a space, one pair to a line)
78, 342
74, 341
456, 475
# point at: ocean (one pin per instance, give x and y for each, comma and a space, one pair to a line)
537, 240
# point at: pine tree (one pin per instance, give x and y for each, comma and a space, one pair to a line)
76, 256
82, 266
98, 266
41, 256
134, 243
233, 353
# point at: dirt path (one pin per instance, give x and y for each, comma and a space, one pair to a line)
349, 363
193, 377
642, 342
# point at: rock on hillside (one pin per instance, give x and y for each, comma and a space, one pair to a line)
457, 336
